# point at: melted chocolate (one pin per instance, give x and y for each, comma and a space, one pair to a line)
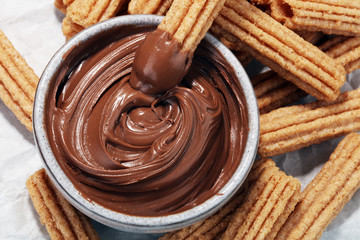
140, 154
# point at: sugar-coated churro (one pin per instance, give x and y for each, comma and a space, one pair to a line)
157, 7
267, 205
327, 194
291, 128
281, 49
266, 198
17, 82
188, 21
216, 224
331, 17
88, 12
61, 220
69, 28
345, 50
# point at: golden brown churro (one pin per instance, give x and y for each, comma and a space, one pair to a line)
327, 194
291, 128
272, 91
17, 82
267, 205
345, 50
281, 49
69, 28
216, 224
188, 21
62, 221
86, 13
259, 201
157, 7
331, 17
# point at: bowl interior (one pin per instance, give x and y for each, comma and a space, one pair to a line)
118, 28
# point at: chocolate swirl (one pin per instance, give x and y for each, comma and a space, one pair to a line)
140, 154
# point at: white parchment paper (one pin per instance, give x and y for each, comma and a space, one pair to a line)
34, 28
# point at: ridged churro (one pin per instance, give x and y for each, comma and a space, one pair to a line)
17, 82
331, 17
217, 224
254, 194
327, 194
291, 128
174, 41
161, 8
272, 91
69, 28
345, 50
281, 49
188, 21
157, 7
86, 13
61, 220
267, 205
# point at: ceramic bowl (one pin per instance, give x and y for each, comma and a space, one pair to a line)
115, 219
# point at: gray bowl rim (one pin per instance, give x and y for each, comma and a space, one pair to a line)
122, 221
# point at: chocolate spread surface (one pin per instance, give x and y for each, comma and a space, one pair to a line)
139, 154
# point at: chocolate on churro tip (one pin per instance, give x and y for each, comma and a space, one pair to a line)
327, 194
61, 220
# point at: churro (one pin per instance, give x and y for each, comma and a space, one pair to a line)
345, 50
331, 17
255, 193
161, 8
327, 194
188, 21
157, 7
69, 28
272, 91
291, 128
267, 205
17, 82
174, 41
61, 220
86, 13
281, 49
217, 224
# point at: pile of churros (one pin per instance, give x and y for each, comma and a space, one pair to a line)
309, 45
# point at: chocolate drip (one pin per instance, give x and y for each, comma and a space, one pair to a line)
159, 65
